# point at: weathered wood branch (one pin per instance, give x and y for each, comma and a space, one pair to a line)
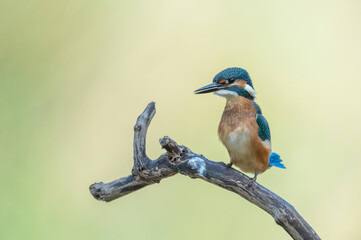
179, 159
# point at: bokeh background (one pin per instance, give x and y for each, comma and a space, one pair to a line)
75, 75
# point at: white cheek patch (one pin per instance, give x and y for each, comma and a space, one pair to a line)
250, 90
226, 93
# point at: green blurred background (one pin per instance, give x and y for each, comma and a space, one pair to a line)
75, 75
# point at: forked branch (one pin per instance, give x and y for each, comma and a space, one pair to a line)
179, 159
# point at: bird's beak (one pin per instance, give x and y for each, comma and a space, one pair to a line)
209, 88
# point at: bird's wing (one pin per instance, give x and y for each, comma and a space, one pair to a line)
263, 131
257, 107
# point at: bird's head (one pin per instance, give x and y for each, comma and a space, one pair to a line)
229, 83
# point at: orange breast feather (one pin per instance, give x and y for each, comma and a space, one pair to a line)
238, 131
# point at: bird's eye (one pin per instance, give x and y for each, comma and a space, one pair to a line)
223, 81
231, 80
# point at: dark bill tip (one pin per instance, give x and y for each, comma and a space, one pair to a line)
208, 88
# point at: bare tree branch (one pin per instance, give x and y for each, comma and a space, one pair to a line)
179, 159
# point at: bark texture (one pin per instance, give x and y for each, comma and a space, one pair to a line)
179, 159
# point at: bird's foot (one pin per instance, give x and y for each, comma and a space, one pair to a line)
252, 180
229, 165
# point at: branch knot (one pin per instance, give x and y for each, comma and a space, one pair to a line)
179, 159
137, 127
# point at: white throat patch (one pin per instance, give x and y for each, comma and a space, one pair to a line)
226, 93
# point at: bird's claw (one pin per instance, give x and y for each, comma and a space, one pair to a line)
229, 165
252, 180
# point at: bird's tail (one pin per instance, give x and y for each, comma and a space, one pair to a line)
275, 160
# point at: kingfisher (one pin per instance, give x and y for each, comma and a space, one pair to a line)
243, 130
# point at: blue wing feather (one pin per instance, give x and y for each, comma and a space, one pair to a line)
265, 134
257, 107
263, 131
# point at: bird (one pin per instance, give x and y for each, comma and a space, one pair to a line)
243, 130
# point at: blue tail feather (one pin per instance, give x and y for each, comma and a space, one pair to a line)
275, 160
